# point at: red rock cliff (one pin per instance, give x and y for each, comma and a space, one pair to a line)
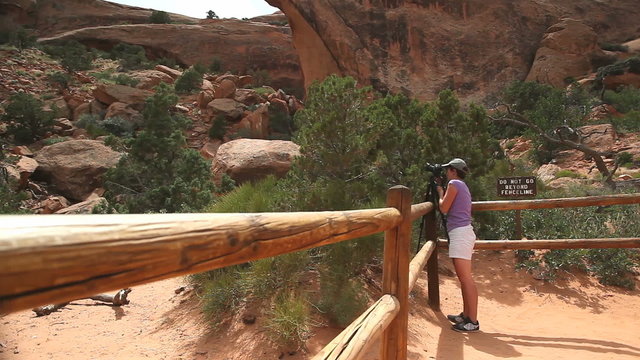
421, 47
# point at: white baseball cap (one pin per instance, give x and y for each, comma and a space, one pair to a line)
457, 163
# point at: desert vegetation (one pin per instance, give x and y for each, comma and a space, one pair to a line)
355, 144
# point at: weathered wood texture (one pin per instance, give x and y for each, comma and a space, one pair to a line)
354, 341
395, 275
433, 278
604, 243
621, 199
420, 209
419, 261
57, 258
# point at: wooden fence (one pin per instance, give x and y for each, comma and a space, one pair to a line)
47, 259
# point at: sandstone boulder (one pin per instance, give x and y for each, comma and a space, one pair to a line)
228, 107
52, 204
251, 159
169, 71
75, 168
626, 79
123, 111
85, 207
209, 149
565, 51
225, 89
108, 94
248, 97
256, 123
22, 150
148, 79
601, 137
547, 172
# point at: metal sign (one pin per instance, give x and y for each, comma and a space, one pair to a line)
517, 186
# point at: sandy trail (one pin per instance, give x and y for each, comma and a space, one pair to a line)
520, 317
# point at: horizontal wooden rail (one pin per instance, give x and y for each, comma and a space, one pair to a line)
553, 244
419, 261
57, 258
605, 200
353, 341
418, 210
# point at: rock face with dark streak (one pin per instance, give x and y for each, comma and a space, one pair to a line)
421, 47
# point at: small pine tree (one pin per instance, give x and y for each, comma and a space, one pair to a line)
218, 128
216, 65
212, 15
27, 120
159, 174
189, 81
159, 17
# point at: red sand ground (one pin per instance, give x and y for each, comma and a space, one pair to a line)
520, 317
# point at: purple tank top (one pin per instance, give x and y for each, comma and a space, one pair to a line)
460, 212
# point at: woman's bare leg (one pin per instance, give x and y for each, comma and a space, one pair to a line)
468, 285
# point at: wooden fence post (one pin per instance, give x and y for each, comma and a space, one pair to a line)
395, 274
433, 280
518, 225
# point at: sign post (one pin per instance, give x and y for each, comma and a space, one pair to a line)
515, 187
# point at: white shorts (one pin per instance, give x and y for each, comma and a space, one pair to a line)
461, 241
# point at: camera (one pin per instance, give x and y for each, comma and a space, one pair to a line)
436, 169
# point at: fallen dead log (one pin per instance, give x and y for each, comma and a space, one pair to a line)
119, 299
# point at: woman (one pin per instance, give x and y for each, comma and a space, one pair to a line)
456, 203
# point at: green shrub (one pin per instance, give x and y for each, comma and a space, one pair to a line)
131, 57
27, 120
630, 122
59, 79
614, 47
159, 174
260, 77
567, 173
216, 65
289, 320
118, 126
613, 266
10, 199
124, 79
625, 100
73, 55
281, 122
189, 82
92, 124
159, 17
212, 15
218, 128
54, 140
624, 157
200, 68
221, 293
631, 65
249, 197
21, 38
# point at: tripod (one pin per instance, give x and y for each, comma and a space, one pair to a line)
432, 195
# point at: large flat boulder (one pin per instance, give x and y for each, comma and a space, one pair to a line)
251, 159
75, 167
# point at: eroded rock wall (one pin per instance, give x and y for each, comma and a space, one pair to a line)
422, 47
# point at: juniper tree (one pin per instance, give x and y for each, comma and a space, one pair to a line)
159, 174
27, 120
